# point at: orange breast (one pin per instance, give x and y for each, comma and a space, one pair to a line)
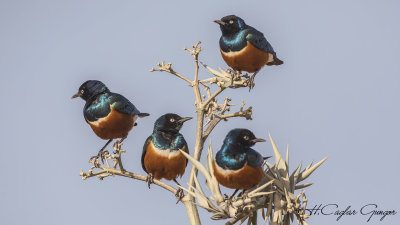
167, 164
115, 125
248, 59
243, 179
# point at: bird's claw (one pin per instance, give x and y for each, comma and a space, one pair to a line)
244, 194
251, 83
179, 195
149, 179
100, 155
117, 146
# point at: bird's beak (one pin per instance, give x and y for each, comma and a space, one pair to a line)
76, 95
184, 119
219, 22
255, 140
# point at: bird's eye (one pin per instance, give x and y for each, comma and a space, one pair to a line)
82, 91
246, 138
172, 120
231, 21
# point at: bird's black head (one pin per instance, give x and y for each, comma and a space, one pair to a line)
170, 122
91, 88
231, 24
242, 138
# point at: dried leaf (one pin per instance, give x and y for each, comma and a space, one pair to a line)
278, 157
293, 178
261, 187
303, 175
260, 194
303, 186
198, 166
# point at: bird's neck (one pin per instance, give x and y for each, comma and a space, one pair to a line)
230, 157
164, 139
96, 96
233, 150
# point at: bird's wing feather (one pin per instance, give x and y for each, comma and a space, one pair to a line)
123, 105
254, 158
257, 39
148, 140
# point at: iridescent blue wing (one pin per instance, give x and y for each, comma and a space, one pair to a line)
257, 39
123, 105
254, 158
180, 143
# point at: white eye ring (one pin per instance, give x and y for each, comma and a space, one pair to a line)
246, 138
230, 21
172, 120
82, 91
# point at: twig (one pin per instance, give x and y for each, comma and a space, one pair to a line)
111, 172
168, 68
218, 117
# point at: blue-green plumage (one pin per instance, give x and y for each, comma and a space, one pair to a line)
163, 141
166, 136
99, 99
109, 114
237, 33
236, 152
99, 106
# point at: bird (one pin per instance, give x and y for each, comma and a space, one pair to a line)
110, 115
161, 157
244, 48
236, 164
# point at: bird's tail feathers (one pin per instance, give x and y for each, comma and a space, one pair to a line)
276, 62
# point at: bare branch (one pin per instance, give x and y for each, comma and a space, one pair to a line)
111, 172
195, 51
212, 97
218, 117
168, 68
107, 170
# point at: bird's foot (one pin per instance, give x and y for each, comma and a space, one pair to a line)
117, 145
251, 80
228, 199
149, 179
179, 195
100, 155
244, 194
251, 83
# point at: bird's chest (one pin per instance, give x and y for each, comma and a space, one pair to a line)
243, 178
114, 125
249, 58
164, 163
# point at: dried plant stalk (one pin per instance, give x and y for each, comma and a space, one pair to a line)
274, 197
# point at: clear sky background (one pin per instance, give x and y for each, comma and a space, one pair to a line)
337, 95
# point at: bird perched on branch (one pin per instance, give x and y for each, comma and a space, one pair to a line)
110, 115
236, 164
244, 48
161, 157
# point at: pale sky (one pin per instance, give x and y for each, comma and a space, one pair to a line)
337, 95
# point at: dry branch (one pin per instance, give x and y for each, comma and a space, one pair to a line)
276, 191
